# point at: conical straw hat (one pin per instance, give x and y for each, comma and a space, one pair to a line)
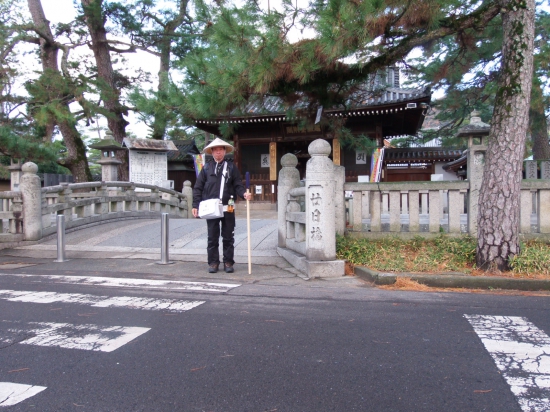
218, 142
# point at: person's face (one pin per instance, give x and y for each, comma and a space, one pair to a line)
218, 153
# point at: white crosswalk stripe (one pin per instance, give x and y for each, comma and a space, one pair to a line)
66, 335
521, 352
129, 302
88, 337
13, 393
135, 283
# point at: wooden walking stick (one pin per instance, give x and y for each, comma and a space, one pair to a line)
247, 177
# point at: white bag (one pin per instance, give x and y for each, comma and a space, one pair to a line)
213, 208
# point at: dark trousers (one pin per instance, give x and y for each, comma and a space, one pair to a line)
228, 239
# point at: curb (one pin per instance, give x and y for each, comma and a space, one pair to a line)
454, 280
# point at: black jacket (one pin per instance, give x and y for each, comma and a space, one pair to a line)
207, 185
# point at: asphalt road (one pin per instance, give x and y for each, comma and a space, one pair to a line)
252, 348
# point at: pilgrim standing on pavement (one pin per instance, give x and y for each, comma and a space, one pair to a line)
208, 187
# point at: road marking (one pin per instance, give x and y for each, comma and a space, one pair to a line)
521, 351
65, 335
13, 393
128, 302
137, 283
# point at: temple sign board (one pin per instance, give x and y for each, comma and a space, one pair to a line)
149, 161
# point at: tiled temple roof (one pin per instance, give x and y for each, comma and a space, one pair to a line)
272, 108
185, 148
421, 154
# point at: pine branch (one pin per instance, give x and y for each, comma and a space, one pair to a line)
132, 47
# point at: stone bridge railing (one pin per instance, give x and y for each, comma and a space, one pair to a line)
312, 212
31, 213
408, 209
307, 238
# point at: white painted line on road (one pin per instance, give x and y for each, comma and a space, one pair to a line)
128, 302
136, 283
521, 351
13, 393
68, 336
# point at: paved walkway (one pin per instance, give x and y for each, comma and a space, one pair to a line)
141, 238
133, 245
131, 248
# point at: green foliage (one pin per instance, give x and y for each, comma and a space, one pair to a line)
168, 103
442, 253
534, 258
22, 146
467, 71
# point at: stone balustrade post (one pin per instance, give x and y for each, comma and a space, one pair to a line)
131, 205
289, 178
15, 224
339, 199
65, 197
320, 203
531, 169
187, 191
545, 169
31, 194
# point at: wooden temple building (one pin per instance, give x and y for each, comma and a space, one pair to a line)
264, 133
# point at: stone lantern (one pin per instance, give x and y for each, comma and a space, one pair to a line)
109, 163
477, 133
15, 172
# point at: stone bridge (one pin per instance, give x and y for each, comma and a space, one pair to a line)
30, 214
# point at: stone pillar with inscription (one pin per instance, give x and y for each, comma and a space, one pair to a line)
320, 213
31, 192
545, 169
289, 178
531, 169
339, 199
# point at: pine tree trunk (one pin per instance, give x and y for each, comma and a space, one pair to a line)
498, 219
538, 123
77, 153
160, 122
110, 94
76, 160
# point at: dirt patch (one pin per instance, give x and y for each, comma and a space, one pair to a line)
467, 271
407, 284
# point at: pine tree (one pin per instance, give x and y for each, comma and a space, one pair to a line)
249, 55
52, 93
498, 218
20, 136
166, 31
468, 73
109, 84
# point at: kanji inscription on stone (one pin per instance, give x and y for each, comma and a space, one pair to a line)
530, 169
316, 233
545, 169
316, 215
315, 199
